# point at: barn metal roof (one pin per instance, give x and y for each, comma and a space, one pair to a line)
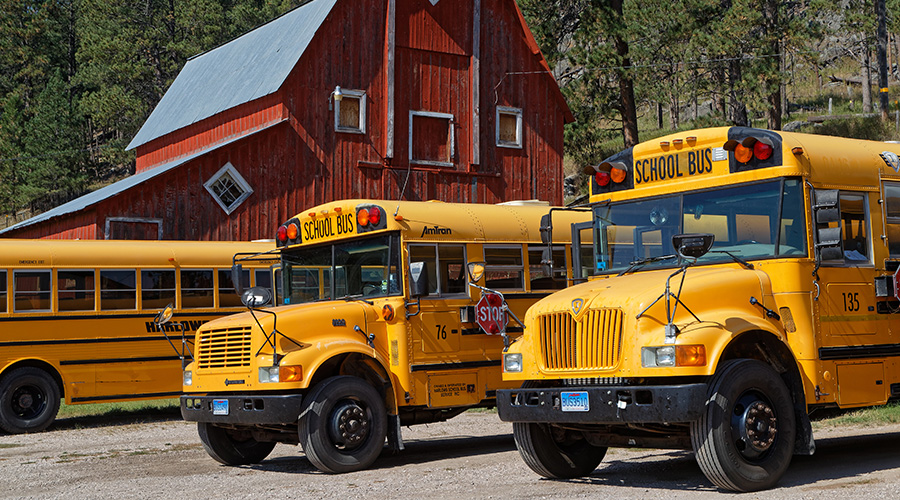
246, 68
115, 188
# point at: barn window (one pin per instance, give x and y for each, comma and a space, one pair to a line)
228, 188
350, 112
431, 138
509, 127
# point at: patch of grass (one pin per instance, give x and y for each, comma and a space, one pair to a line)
152, 407
10, 445
878, 415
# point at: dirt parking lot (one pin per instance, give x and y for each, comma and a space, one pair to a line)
472, 456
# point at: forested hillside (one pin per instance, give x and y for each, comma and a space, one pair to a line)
79, 77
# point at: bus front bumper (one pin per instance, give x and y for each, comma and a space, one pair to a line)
603, 404
242, 409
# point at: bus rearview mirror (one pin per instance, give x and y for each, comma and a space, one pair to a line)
546, 228
236, 272
418, 279
476, 271
165, 315
692, 246
256, 297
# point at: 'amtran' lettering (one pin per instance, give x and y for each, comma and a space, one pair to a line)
673, 166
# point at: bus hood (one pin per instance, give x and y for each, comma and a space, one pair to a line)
317, 319
704, 288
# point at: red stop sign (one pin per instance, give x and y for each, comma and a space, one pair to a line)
490, 315
897, 284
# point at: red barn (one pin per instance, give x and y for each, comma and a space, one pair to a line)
415, 99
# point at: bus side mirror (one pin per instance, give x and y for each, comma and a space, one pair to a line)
236, 273
546, 229
164, 316
418, 279
692, 246
256, 297
475, 270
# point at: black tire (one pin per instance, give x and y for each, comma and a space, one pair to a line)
745, 439
232, 447
556, 455
343, 425
29, 400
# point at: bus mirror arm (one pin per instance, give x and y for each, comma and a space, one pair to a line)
161, 320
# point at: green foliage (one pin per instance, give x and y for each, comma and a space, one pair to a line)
79, 77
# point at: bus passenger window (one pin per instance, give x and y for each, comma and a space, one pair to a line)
540, 278
2, 291
75, 290
892, 209
452, 259
504, 268
227, 295
855, 230
117, 290
31, 290
196, 288
157, 288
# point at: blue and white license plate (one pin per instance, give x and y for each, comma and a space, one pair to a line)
574, 401
220, 407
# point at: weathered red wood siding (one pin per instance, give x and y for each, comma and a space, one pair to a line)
304, 162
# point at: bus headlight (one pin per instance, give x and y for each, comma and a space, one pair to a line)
679, 355
188, 377
512, 362
268, 374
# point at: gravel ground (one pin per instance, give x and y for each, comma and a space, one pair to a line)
472, 456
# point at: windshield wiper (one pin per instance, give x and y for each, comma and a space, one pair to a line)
359, 297
735, 258
634, 266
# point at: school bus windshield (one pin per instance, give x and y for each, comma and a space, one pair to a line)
347, 269
750, 221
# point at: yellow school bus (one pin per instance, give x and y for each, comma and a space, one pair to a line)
77, 319
745, 279
376, 329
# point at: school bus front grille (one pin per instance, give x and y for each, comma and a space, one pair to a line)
593, 343
224, 348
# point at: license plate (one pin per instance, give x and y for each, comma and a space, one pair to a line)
574, 401
220, 407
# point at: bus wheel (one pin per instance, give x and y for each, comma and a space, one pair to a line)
343, 425
555, 453
232, 447
745, 439
29, 400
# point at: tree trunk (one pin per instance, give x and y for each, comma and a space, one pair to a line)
673, 110
659, 115
737, 109
881, 56
866, 81
773, 80
626, 86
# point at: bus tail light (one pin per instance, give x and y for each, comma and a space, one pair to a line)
370, 218
374, 215
742, 153
362, 217
618, 174
288, 233
752, 148
602, 179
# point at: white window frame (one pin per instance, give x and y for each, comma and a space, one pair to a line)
15, 290
523, 256
432, 114
229, 169
361, 95
517, 112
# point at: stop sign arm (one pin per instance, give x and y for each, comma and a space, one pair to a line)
505, 308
